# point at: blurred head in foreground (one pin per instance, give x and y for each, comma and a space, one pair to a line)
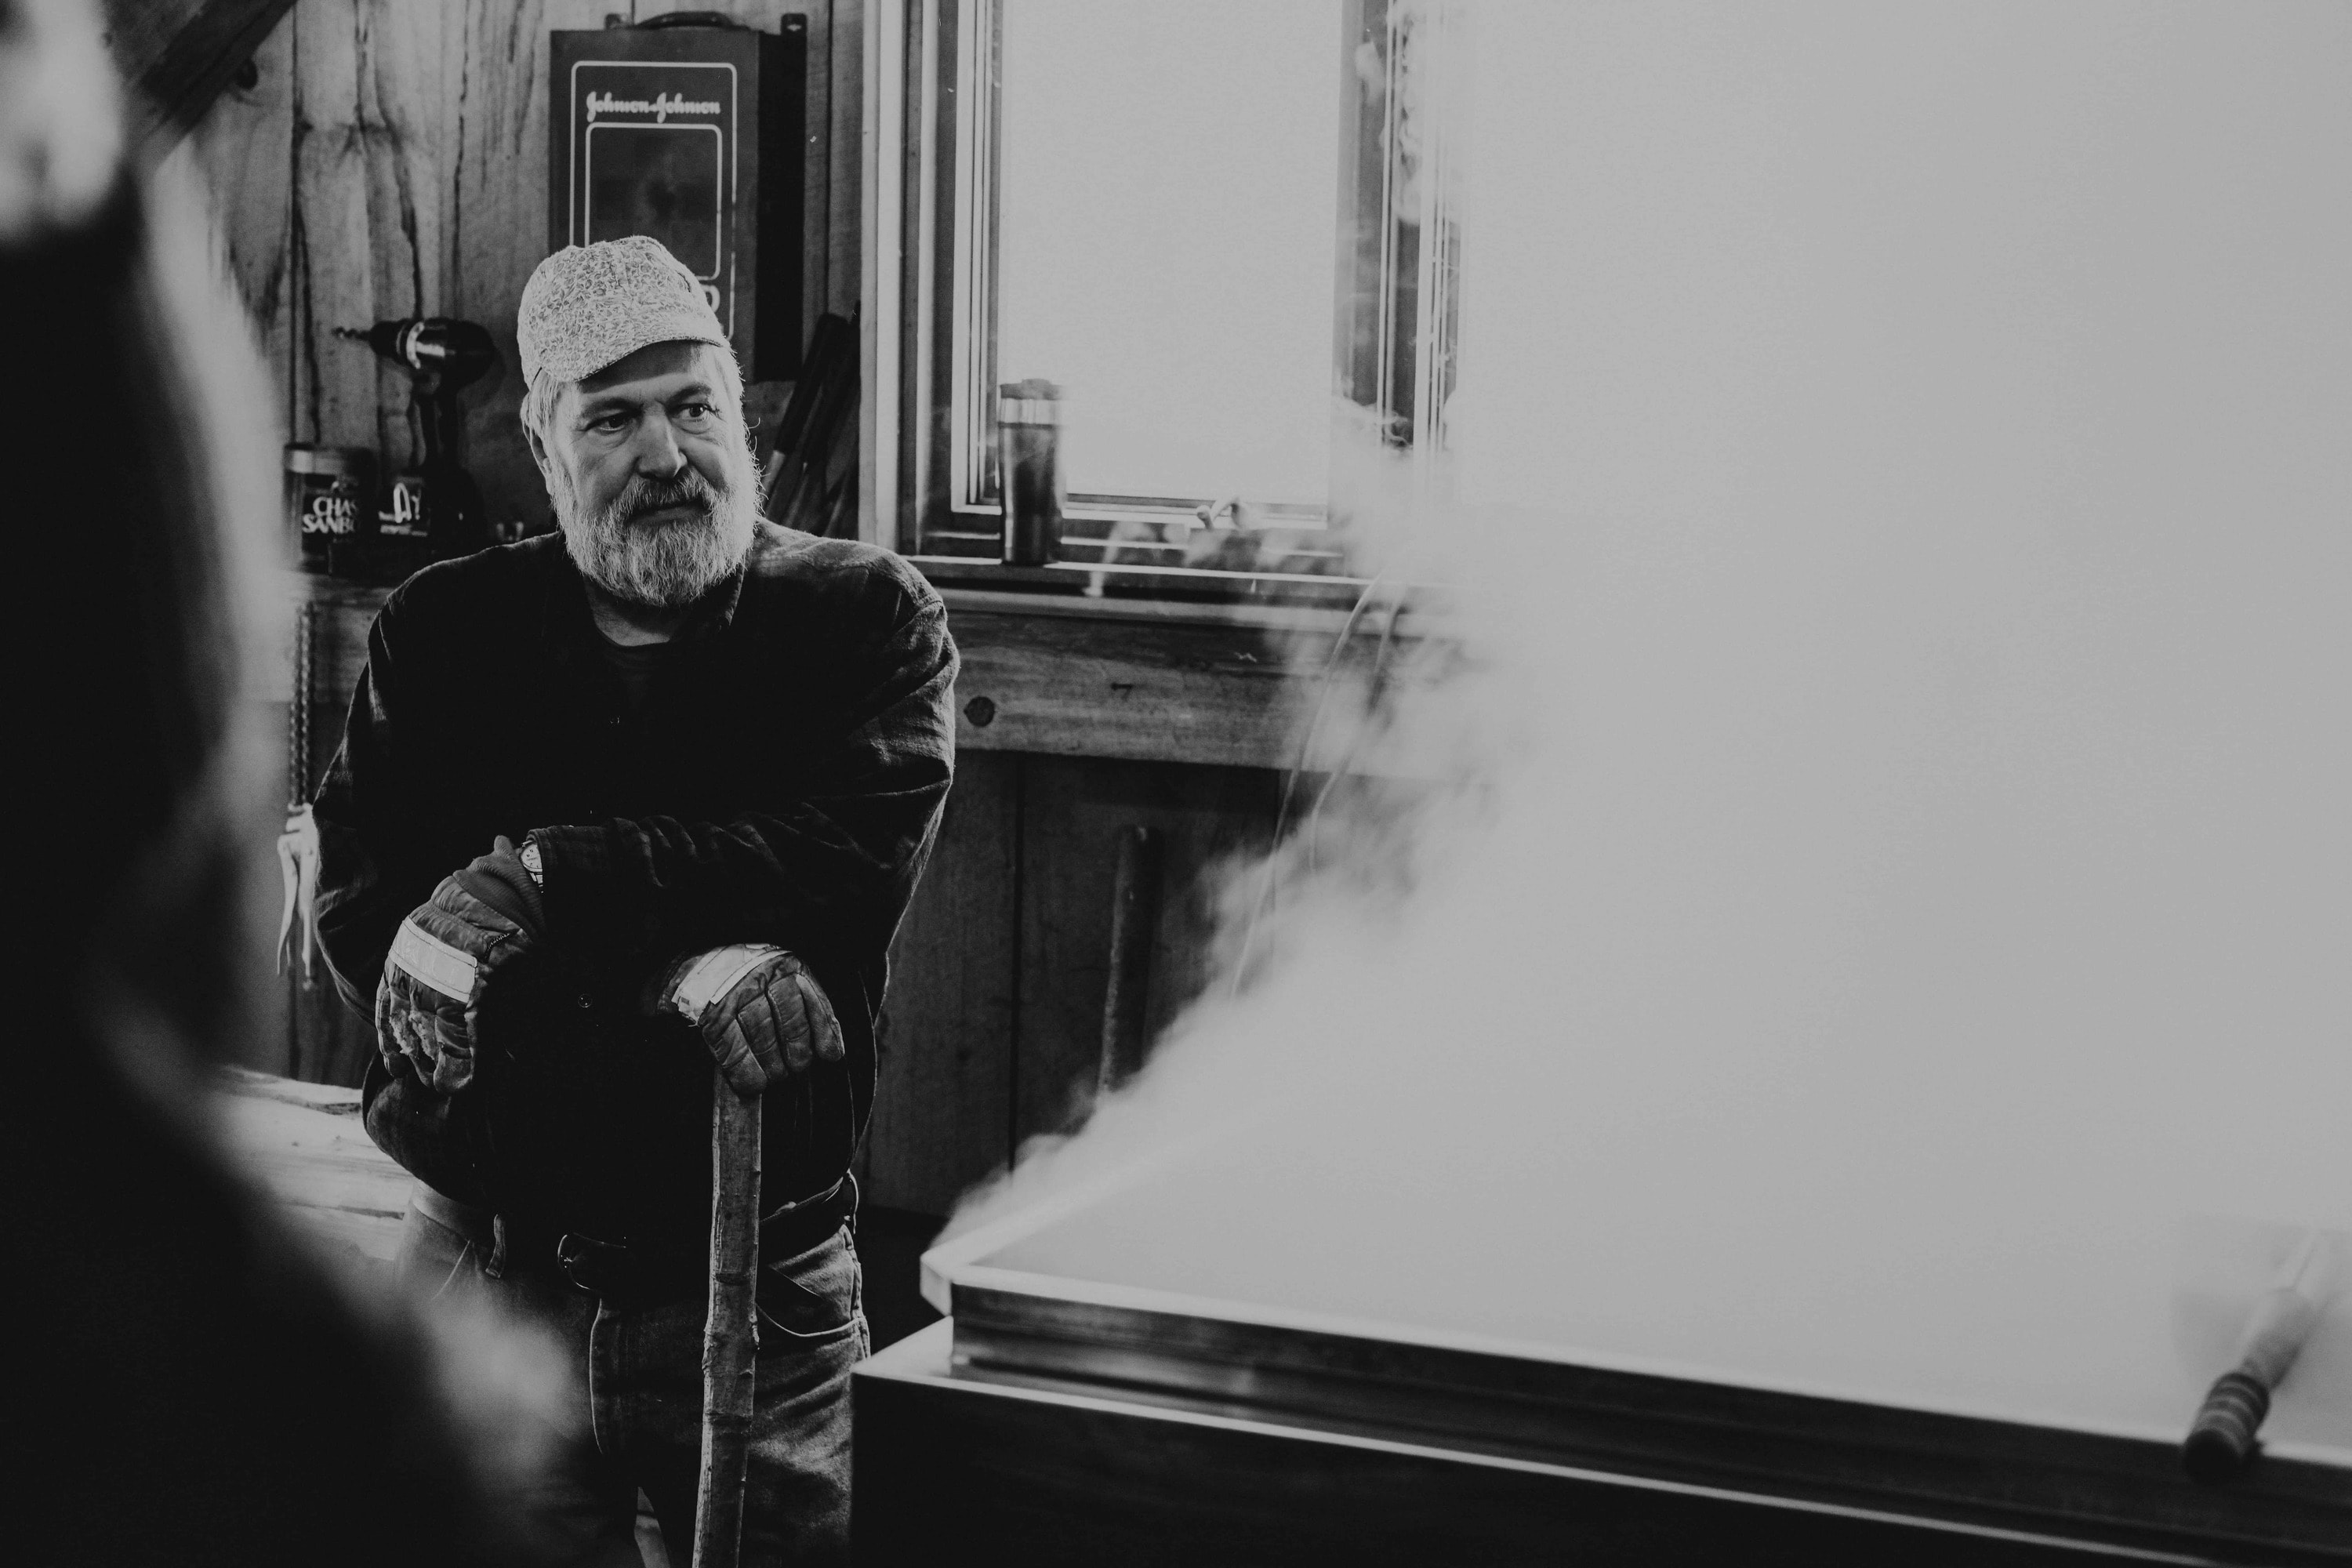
192, 1385
634, 409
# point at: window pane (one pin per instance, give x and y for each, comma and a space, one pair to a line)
1168, 196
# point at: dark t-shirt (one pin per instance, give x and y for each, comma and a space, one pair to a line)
636, 664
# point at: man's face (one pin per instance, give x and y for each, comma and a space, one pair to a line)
651, 474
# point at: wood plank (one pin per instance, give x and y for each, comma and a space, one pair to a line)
179, 55
304, 1143
242, 152
842, 220
307, 1167
816, 166
495, 190
1073, 811
138, 32
1235, 695
336, 281
1213, 694
942, 1116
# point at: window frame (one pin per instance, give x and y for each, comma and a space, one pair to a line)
934, 69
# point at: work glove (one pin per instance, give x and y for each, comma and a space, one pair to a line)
758, 1009
450, 955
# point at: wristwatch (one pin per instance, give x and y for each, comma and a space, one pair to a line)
531, 862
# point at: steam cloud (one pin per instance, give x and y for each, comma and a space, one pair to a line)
1893, 869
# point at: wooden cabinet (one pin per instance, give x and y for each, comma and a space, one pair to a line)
991, 1033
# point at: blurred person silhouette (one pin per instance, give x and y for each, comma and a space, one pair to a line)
186, 1383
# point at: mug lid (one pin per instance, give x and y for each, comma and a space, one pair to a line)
301, 458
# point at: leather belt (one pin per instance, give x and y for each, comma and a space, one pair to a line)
486, 1231
475, 1225
634, 1274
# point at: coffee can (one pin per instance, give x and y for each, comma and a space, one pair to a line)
329, 500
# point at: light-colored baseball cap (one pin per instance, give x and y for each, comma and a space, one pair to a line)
589, 306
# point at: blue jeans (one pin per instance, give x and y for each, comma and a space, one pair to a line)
637, 1422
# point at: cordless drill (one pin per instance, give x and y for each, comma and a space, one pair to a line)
435, 501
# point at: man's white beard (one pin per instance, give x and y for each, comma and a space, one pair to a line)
667, 565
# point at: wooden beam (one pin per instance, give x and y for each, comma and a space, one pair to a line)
241, 151
1236, 695
179, 54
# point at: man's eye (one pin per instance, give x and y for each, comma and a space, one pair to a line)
611, 425
694, 415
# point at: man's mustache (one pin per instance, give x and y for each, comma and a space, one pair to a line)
646, 495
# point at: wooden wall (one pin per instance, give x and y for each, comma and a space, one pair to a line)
390, 159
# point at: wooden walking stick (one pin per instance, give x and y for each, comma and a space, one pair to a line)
730, 1334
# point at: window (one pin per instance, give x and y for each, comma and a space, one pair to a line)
1217, 228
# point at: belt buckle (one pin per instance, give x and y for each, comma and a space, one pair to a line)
595, 1268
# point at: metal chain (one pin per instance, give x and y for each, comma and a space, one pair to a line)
297, 714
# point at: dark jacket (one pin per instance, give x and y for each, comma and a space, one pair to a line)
781, 783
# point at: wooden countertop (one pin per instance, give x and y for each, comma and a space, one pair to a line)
304, 1143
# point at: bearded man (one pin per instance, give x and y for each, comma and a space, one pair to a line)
649, 795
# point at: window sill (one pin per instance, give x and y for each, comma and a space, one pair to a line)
1144, 680
1146, 593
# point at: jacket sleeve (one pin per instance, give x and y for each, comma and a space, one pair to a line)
374, 866
826, 864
